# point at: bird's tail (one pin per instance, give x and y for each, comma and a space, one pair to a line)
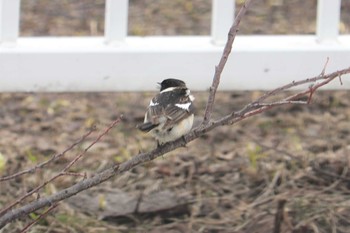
146, 127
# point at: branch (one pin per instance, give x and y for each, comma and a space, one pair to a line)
219, 68
41, 216
293, 84
63, 172
234, 117
43, 164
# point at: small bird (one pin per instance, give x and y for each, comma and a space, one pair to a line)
169, 115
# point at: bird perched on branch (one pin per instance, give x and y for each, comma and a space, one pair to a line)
170, 113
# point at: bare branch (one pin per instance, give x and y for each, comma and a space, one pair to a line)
219, 68
281, 102
41, 216
341, 82
63, 172
250, 110
114, 123
324, 67
292, 84
43, 164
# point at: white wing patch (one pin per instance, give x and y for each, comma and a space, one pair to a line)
184, 106
151, 104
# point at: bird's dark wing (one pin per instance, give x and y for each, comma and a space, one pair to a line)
175, 115
168, 108
177, 105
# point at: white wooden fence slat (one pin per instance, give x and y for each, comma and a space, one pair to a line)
116, 20
328, 16
221, 20
9, 21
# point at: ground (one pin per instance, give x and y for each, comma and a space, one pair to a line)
230, 180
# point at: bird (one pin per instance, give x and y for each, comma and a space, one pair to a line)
170, 113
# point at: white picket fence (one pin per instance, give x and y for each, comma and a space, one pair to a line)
118, 62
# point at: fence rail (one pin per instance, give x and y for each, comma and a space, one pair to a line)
118, 62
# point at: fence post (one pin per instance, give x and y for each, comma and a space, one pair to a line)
328, 16
116, 20
9, 21
221, 21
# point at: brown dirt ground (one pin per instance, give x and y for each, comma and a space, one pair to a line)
230, 180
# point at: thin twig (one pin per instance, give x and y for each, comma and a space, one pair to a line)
114, 123
41, 216
249, 109
312, 90
324, 67
53, 158
76, 174
292, 84
63, 172
281, 102
341, 82
220, 67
